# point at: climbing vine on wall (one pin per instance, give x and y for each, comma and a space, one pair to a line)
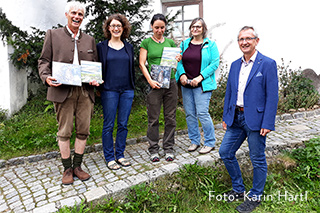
26, 46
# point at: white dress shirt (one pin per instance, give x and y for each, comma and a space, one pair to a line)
75, 55
243, 77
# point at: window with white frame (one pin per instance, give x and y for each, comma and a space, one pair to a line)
189, 9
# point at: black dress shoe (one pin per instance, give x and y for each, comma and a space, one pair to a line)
247, 206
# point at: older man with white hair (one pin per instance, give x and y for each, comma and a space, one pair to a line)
73, 104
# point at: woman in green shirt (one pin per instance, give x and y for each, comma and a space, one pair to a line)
151, 51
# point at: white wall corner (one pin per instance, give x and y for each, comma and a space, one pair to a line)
14, 86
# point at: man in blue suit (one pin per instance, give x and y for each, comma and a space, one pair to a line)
250, 108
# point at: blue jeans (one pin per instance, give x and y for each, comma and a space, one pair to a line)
196, 106
115, 103
233, 138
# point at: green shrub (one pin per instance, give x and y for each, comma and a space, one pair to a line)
78, 208
217, 99
295, 91
3, 114
308, 160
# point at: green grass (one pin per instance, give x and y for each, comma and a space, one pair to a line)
33, 129
197, 189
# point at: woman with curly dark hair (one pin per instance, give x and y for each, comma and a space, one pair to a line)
117, 91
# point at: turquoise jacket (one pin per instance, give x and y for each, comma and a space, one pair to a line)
209, 63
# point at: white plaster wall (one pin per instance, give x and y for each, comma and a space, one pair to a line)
42, 14
13, 85
4, 78
18, 87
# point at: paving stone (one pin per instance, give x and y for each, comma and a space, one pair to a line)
155, 174
35, 158
30, 180
299, 128
70, 202
286, 116
10, 175
27, 201
2, 201
187, 161
19, 209
48, 185
16, 161
26, 194
299, 115
42, 203
12, 193
34, 186
38, 193
2, 163
171, 168
137, 179
53, 194
55, 188
50, 155
95, 195
40, 198
205, 160
3, 208
15, 204
30, 206
82, 190
67, 188
116, 186
50, 207
98, 147
55, 198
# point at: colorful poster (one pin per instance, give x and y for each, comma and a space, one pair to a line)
169, 56
90, 71
65, 73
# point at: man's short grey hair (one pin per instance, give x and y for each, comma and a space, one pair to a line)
75, 5
249, 28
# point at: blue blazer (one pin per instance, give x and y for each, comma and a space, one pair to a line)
260, 95
103, 48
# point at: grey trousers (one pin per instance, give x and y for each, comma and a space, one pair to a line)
155, 98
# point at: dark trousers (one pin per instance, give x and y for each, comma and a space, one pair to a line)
155, 98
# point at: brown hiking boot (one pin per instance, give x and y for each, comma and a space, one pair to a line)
67, 177
82, 175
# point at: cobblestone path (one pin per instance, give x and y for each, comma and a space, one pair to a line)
36, 187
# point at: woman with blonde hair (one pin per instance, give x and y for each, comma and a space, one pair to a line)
196, 74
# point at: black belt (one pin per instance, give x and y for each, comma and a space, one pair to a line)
240, 109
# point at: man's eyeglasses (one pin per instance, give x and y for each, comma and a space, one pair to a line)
116, 26
246, 39
196, 27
